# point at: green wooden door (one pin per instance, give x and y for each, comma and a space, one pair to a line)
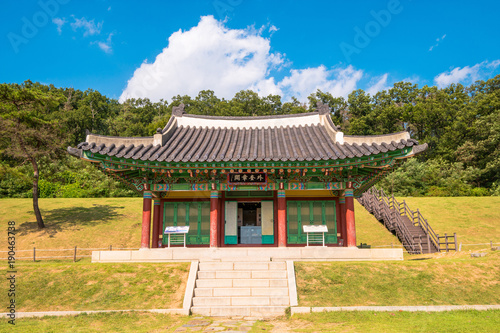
300, 213
196, 215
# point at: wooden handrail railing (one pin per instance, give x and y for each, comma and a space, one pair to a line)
391, 211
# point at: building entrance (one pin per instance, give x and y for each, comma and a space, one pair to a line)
249, 223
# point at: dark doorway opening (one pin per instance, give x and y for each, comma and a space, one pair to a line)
249, 223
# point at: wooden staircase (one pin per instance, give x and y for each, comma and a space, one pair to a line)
414, 232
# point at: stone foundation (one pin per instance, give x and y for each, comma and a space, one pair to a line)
248, 254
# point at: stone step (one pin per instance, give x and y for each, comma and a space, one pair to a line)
273, 283
241, 283
218, 292
241, 301
236, 266
214, 283
246, 259
273, 274
239, 311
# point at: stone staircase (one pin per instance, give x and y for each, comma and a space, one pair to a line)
257, 288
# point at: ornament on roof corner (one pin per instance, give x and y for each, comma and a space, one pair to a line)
322, 108
178, 111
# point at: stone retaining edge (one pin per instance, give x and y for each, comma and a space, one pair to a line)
424, 308
74, 313
292, 285
294, 310
188, 295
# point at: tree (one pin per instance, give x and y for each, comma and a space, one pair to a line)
245, 103
206, 103
27, 133
361, 116
295, 106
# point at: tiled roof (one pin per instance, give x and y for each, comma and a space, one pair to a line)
284, 139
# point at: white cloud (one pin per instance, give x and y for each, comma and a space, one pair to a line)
266, 87
89, 27
105, 46
379, 85
337, 81
211, 56
466, 75
59, 22
438, 40
208, 56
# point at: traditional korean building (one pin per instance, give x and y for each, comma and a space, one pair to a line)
248, 181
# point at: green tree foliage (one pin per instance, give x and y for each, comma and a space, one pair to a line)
361, 114
435, 177
138, 117
27, 130
460, 124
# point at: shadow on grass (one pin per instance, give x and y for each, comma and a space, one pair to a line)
61, 219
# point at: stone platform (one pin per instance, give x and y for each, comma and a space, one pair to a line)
313, 253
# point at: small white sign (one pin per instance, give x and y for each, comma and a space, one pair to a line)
315, 228
177, 230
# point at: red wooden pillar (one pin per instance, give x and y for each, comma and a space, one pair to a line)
146, 219
214, 218
342, 220
156, 222
281, 217
349, 217
160, 224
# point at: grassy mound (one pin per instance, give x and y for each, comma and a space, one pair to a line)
137, 322
453, 279
371, 231
474, 219
61, 286
398, 322
86, 223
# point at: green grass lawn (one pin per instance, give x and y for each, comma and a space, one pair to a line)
100, 222
452, 278
371, 231
448, 280
474, 219
86, 223
140, 322
61, 286
367, 321
453, 321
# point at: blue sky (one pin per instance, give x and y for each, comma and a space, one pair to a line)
158, 49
